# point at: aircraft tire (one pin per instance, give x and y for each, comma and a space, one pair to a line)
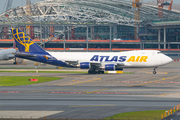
89, 72
95, 72
101, 72
154, 72
92, 72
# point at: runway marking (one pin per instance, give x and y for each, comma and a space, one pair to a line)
97, 91
27, 114
81, 92
82, 82
145, 82
40, 91
91, 105
154, 90
69, 92
60, 76
147, 72
169, 94
51, 90
111, 93
155, 81
136, 82
119, 93
10, 91
90, 93
145, 94
36, 75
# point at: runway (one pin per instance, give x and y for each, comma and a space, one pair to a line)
86, 96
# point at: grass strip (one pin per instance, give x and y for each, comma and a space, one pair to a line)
23, 80
139, 115
41, 67
46, 71
57, 72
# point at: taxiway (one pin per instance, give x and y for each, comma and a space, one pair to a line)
86, 96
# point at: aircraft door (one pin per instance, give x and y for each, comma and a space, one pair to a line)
153, 53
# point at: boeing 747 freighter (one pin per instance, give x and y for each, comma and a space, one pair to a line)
96, 62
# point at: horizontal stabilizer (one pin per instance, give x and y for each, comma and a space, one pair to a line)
24, 54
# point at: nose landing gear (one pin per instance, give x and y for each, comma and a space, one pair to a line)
154, 72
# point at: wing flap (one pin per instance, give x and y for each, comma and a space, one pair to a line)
77, 63
71, 62
97, 64
120, 64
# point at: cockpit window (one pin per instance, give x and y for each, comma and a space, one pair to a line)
159, 52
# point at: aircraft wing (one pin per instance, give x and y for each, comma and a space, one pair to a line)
97, 64
76, 63
120, 64
123, 64
71, 62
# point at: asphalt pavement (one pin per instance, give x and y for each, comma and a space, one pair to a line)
83, 96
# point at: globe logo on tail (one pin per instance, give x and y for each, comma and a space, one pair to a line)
23, 39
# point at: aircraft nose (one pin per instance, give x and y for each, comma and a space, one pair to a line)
168, 59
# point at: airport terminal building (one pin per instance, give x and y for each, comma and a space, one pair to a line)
93, 25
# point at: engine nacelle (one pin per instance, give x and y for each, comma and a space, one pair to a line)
8, 57
121, 69
85, 65
112, 67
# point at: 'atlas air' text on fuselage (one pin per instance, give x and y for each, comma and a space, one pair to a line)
119, 58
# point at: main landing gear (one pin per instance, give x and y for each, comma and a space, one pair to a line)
95, 71
154, 72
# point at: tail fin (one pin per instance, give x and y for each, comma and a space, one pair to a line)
25, 43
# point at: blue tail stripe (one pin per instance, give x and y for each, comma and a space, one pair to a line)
27, 48
25, 43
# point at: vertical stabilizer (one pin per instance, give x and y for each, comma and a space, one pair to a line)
25, 43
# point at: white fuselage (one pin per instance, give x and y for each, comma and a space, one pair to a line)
140, 58
7, 54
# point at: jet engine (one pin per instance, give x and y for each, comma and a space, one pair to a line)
85, 65
112, 67
8, 56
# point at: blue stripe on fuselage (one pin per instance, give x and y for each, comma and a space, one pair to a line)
41, 58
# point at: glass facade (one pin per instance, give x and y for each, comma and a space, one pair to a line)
100, 36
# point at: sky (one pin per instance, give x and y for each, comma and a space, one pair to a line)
16, 3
